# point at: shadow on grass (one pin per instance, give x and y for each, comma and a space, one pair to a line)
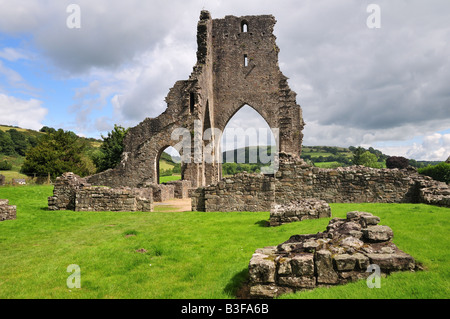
263, 223
238, 285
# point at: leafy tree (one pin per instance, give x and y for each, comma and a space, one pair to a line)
166, 172
6, 144
111, 149
19, 140
357, 153
439, 172
369, 159
47, 129
57, 153
5, 166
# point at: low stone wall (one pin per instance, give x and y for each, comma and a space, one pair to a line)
181, 188
2, 180
113, 199
7, 212
341, 254
296, 180
162, 192
435, 193
242, 192
72, 192
64, 191
298, 211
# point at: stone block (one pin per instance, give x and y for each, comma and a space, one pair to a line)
324, 268
262, 269
303, 265
378, 233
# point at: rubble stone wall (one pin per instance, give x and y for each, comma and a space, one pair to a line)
7, 212
243, 192
295, 181
181, 189
113, 199
162, 193
71, 192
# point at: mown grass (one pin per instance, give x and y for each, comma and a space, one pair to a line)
189, 255
165, 179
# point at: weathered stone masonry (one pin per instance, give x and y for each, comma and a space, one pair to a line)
72, 192
7, 212
236, 66
296, 180
341, 254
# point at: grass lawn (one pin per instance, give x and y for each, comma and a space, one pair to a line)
189, 255
165, 179
327, 164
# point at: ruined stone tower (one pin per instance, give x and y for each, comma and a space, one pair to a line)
237, 65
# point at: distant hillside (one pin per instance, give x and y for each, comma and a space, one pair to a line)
321, 156
16, 141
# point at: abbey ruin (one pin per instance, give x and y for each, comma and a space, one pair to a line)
237, 65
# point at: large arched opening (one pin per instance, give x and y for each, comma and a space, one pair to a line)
168, 165
248, 144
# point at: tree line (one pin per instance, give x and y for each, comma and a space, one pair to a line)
57, 151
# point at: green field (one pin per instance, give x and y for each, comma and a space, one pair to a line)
189, 255
165, 179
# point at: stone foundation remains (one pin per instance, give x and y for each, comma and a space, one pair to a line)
181, 189
295, 180
114, 199
162, 193
72, 192
298, 210
337, 256
7, 212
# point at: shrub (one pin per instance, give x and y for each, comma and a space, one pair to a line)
440, 172
5, 166
397, 162
167, 172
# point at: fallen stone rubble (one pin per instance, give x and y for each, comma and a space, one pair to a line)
339, 255
299, 210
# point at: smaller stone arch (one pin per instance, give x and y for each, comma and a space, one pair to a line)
157, 163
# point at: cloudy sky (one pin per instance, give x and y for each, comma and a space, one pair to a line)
386, 87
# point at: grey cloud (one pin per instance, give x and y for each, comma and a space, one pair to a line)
355, 85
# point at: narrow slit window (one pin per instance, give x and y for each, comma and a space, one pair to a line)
191, 102
244, 27
245, 60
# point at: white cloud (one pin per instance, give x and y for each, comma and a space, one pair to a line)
12, 54
22, 113
435, 147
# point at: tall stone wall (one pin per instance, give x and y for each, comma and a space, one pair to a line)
295, 180
236, 66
